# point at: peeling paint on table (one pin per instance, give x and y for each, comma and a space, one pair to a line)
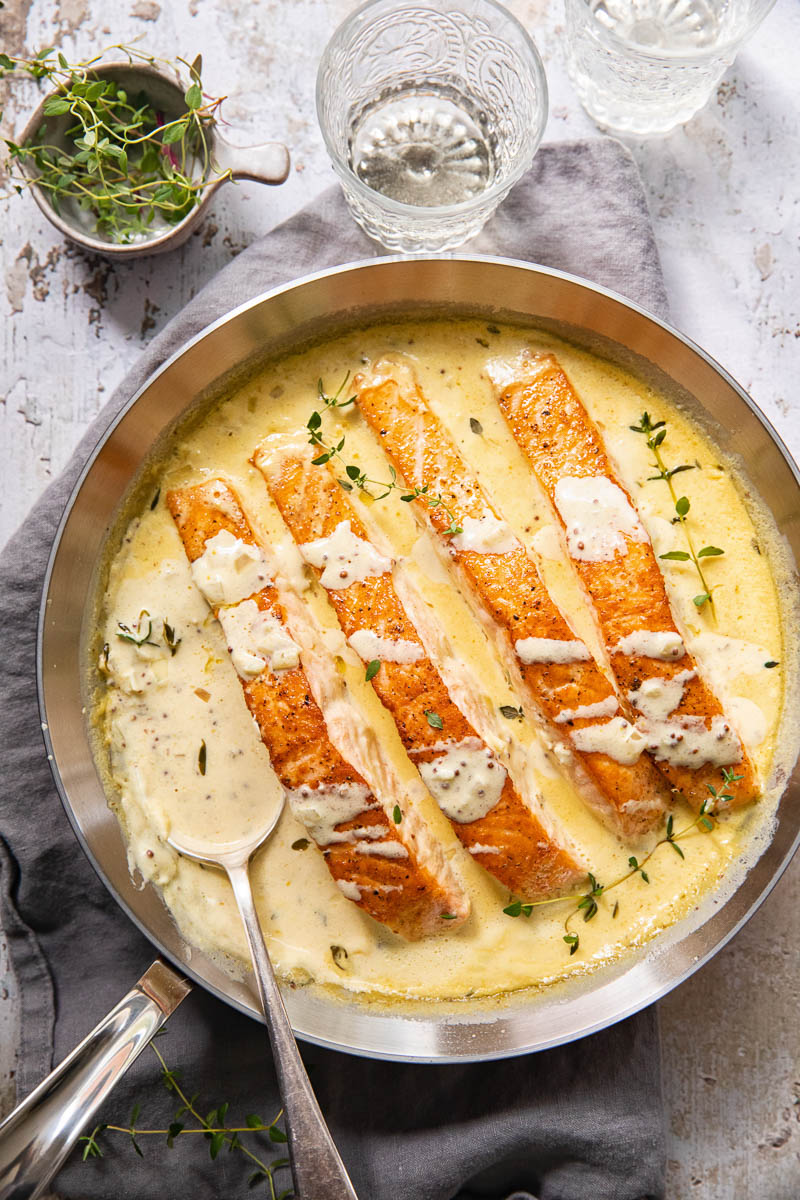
724, 194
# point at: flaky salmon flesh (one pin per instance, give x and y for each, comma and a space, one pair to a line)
508, 838
397, 875
682, 720
562, 678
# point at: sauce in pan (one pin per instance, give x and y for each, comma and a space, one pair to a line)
183, 752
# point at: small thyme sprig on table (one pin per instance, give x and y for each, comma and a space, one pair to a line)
356, 478
213, 1127
656, 432
587, 901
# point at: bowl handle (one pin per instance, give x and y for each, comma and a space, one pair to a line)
267, 163
39, 1134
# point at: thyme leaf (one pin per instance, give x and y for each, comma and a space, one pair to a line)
655, 432
187, 1121
586, 903
339, 956
128, 633
512, 714
434, 720
170, 640
372, 669
358, 480
202, 756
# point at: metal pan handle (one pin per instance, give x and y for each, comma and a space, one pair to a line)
39, 1134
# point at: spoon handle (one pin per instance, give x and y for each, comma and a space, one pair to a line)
317, 1169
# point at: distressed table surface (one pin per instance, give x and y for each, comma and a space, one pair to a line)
724, 197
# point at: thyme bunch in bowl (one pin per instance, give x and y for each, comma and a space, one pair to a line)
110, 157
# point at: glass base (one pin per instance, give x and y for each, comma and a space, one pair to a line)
421, 231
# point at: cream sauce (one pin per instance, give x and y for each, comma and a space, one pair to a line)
550, 650
585, 712
688, 742
465, 781
152, 735
486, 535
229, 570
657, 698
647, 643
597, 516
345, 558
256, 640
370, 647
617, 738
321, 809
548, 543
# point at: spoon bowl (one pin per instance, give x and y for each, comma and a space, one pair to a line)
225, 854
317, 1170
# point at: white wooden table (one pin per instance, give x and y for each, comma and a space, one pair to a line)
724, 195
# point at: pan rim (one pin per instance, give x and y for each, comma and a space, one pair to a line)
638, 1003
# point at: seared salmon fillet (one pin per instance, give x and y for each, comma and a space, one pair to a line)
392, 873
470, 785
563, 679
681, 721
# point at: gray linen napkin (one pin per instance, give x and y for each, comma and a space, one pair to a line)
583, 1122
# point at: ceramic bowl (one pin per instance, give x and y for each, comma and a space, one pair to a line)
267, 163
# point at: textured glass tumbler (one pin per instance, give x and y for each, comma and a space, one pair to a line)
644, 66
430, 113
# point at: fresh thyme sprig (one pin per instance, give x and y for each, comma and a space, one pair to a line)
213, 1127
123, 163
656, 432
170, 641
587, 901
357, 479
133, 634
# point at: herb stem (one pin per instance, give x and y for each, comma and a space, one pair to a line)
124, 164
357, 478
587, 901
656, 432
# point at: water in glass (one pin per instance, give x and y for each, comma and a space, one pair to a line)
429, 147
645, 66
431, 112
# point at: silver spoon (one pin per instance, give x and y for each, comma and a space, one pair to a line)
317, 1169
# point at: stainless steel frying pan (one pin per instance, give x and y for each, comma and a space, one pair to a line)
319, 306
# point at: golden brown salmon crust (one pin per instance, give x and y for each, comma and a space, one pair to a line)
508, 585
559, 438
401, 892
521, 853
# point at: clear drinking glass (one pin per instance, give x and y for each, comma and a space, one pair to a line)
645, 66
430, 114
